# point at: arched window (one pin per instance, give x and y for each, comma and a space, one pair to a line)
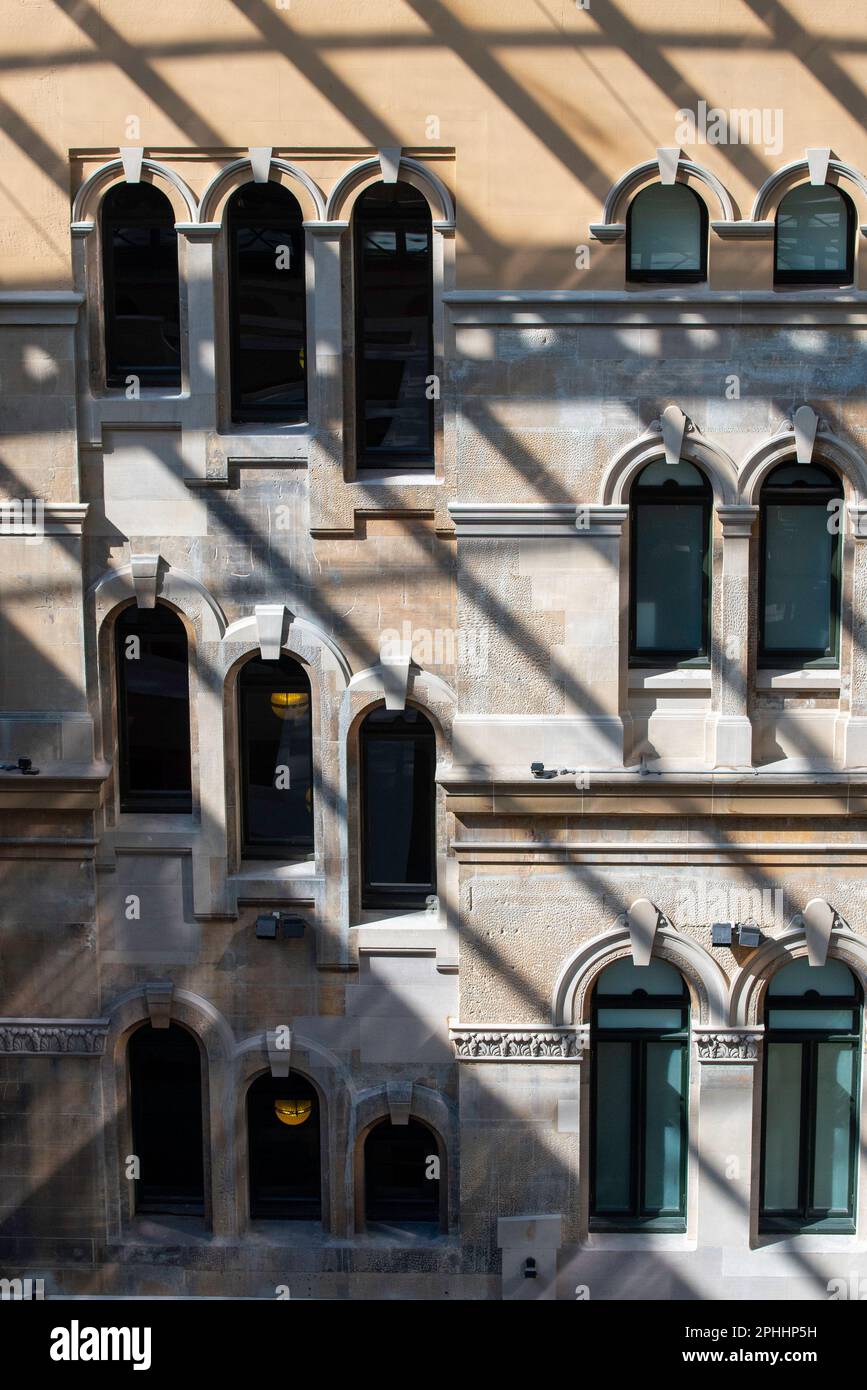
268, 315
393, 326
140, 286
810, 1105
640, 1054
398, 765
401, 1174
283, 1145
165, 1074
666, 235
153, 701
276, 759
800, 567
814, 237
670, 523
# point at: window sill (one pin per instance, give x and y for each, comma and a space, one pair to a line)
696, 680
395, 477
798, 680
639, 1240
276, 868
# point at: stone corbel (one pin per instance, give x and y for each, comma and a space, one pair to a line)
270, 622
279, 1044
399, 1101
158, 996
145, 572
819, 919
131, 158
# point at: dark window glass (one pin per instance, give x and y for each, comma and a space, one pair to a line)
276, 759
666, 235
398, 768
814, 237
810, 1106
140, 286
670, 552
166, 1103
153, 710
396, 1161
640, 1054
800, 567
283, 1141
394, 334
268, 310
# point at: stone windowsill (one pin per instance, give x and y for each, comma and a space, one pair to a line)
694, 681
638, 1240
396, 477
798, 680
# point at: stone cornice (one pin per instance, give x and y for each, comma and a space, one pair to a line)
537, 519
518, 1042
737, 519
727, 1045
53, 1037
40, 306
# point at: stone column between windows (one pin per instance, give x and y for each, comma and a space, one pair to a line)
325, 347
732, 730
855, 727
201, 409
726, 1172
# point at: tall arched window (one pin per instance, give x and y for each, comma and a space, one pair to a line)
401, 1174
398, 766
393, 326
640, 1052
666, 235
276, 759
283, 1144
799, 606
814, 237
140, 286
165, 1073
670, 523
810, 1105
153, 691
268, 315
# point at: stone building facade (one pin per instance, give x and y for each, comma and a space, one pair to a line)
492, 587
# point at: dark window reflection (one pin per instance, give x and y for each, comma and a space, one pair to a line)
140, 286
153, 710
396, 1164
277, 759
268, 312
394, 342
283, 1139
670, 550
166, 1103
800, 551
815, 237
666, 235
398, 765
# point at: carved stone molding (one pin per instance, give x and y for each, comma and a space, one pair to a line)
530, 1042
739, 1045
40, 1037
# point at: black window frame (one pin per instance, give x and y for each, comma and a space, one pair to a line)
145, 1203
164, 377
377, 895
133, 802
803, 658
810, 279
309, 1209
284, 851
646, 658
668, 277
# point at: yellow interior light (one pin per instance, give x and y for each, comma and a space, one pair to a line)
293, 1112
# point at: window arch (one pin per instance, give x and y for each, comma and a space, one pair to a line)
639, 1098
283, 1139
153, 702
814, 237
800, 562
402, 1183
810, 1098
670, 526
165, 1074
268, 313
276, 736
141, 298
398, 798
666, 235
392, 239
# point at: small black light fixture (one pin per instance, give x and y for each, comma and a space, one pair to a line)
530, 1270
722, 933
749, 934
273, 924
23, 765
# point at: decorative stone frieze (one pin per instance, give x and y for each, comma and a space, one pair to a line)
53, 1037
740, 1045
530, 1042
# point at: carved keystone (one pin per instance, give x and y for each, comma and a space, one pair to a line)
158, 996
819, 920
673, 424
279, 1044
131, 157
145, 570
817, 163
269, 624
805, 422
389, 163
399, 1101
260, 162
668, 159
642, 919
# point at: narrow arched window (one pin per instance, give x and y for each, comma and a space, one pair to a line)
670, 523
268, 315
398, 768
393, 326
402, 1174
810, 1104
666, 235
283, 1145
799, 622
639, 1109
814, 237
140, 286
151, 659
276, 759
165, 1075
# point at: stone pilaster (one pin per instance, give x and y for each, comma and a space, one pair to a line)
732, 744
855, 725
727, 1059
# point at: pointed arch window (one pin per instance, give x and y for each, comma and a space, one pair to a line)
392, 237
141, 299
283, 1132
670, 551
398, 772
666, 235
152, 665
268, 314
165, 1072
639, 1098
814, 237
799, 575
276, 759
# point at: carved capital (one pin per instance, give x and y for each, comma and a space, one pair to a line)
738, 1045
530, 1042
47, 1037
